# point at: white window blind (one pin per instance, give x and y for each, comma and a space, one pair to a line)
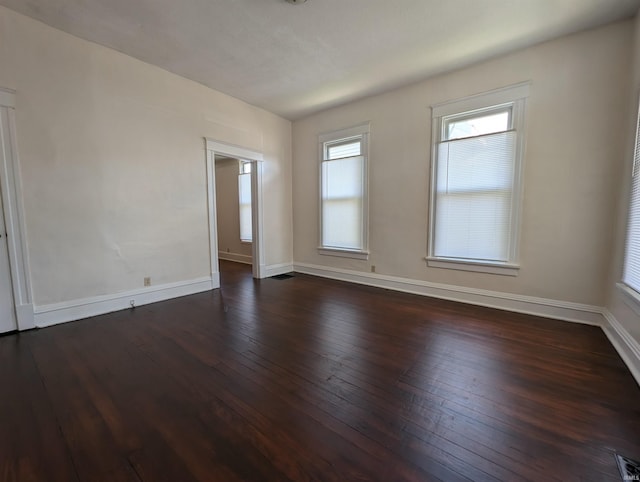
474, 192
244, 194
631, 273
342, 195
475, 180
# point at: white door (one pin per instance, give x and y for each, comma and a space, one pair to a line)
7, 311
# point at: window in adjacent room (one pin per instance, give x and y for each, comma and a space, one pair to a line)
475, 181
631, 273
343, 192
244, 195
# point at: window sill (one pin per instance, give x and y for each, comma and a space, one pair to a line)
630, 297
504, 269
344, 253
242, 241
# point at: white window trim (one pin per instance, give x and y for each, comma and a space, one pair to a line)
355, 131
343, 253
507, 269
516, 95
630, 296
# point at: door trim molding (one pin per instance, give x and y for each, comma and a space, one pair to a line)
11, 187
214, 147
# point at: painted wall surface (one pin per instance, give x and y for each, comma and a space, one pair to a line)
113, 164
574, 149
228, 208
616, 300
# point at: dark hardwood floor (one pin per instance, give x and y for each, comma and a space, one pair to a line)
312, 379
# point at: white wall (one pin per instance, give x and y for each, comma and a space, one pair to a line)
113, 164
228, 209
574, 152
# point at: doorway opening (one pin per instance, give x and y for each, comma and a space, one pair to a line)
234, 184
16, 306
234, 212
8, 319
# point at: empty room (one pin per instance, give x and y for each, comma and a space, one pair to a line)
294, 240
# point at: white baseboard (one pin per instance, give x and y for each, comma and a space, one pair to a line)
276, 269
626, 345
548, 308
47, 315
238, 258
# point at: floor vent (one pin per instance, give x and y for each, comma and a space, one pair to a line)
282, 276
629, 469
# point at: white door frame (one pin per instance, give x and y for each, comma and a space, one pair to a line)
229, 150
11, 187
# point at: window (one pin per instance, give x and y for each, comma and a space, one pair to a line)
343, 193
475, 186
631, 272
244, 195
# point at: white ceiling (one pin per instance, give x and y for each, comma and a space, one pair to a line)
294, 60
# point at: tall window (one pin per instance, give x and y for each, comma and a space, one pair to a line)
475, 192
631, 273
244, 194
343, 193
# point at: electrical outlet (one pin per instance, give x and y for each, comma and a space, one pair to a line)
147, 281
373, 268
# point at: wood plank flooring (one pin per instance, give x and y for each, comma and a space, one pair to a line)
312, 379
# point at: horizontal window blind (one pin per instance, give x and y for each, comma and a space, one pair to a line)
631, 274
344, 149
342, 198
474, 197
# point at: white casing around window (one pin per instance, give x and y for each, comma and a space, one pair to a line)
631, 269
361, 133
510, 98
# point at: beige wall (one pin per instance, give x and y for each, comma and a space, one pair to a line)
228, 208
615, 302
574, 151
113, 164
